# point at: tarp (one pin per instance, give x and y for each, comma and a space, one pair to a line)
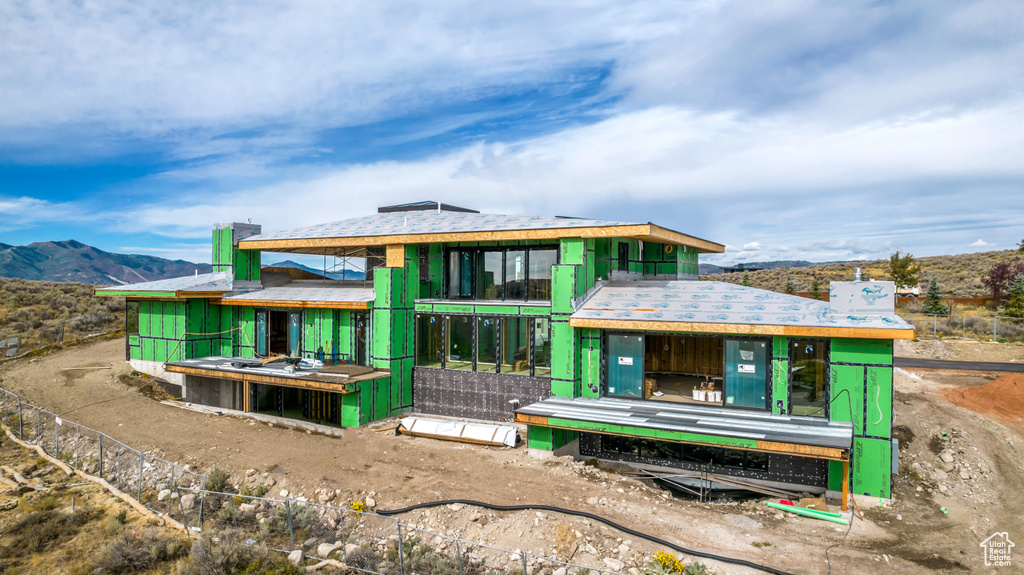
479, 433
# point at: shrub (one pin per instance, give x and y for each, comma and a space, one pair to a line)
229, 555
364, 559
217, 480
136, 552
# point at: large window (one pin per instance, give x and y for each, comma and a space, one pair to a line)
489, 344
542, 347
132, 318
540, 273
517, 274
515, 345
460, 343
808, 377
428, 341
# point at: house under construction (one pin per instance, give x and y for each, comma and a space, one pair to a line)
594, 334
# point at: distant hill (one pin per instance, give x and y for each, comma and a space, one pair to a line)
706, 269
957, 276
73, 261
344, 274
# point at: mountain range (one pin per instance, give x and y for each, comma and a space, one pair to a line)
73, 261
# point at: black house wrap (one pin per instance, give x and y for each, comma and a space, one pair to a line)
475, 395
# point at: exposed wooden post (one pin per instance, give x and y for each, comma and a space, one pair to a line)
395, 256
846, 482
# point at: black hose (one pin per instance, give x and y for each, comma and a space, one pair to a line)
607, 522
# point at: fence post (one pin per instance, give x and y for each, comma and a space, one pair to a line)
995, 320
39, 426
525, 571
78, 439
21, 422
56, 437
401, 548
458, 553
101, 456
174, 489
142, 460
291, 532
234, 518
117, 457
935, 325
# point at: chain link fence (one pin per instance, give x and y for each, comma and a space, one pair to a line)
364, 541
67, 332
150, 480
988, 328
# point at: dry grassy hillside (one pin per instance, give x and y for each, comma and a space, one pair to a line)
958, 276
31, 305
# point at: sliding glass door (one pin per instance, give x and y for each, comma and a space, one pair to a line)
746, 373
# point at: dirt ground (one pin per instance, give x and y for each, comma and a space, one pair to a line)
960, 349
981, 486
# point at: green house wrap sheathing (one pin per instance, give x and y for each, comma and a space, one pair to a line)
161, 332
862, 351
547, 438
590, 362
391, 335
846, 396
780, 386
565, 365
879, 402
242, 264
872, 463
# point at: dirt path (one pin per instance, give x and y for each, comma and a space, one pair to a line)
402, 470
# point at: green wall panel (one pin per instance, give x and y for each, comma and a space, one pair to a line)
780, 346
563, 351
875, 351
879, 402
424, 307
652, 433
563, 288
453, 308
533, 310
571, 250
780, 385
847, 381
590, 362
835, 475
872, 466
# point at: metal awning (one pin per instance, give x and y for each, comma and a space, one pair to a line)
725, 427
339, 379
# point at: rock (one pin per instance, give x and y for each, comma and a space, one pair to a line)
559, 571
946, 457
188, 501
624, 549
283, 493
592, 501
325, 549
295, 557
939, 475
634, 571
391, 542
899, 517
964, 475
8, 505
370, 503
350, 548
474, 517
246, 507
614, 564
163, 495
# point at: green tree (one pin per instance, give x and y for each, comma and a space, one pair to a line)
903, 270
790, 287
933, 301
1020, 247
746, 279
816, 288
1014, 306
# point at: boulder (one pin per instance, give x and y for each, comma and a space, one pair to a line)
559, 571
246, 507
163, 495
350, 548
325, 549
295, 557
614, 564
188, 501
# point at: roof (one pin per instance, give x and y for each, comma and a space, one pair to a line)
187, 286
449, 226
697, 419
305, 295
224, 367
720, 307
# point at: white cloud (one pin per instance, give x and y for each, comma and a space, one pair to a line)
979, 244
752, 246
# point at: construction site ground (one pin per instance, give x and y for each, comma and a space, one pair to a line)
961, 474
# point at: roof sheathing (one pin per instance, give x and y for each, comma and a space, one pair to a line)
202, 285
433, 226
719, 307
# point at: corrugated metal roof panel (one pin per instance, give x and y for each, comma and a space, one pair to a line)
197, 283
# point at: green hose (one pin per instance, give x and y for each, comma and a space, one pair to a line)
808, 513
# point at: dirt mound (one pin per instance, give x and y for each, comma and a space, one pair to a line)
147, 387
1001, 398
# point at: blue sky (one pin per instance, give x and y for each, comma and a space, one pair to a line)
786, 130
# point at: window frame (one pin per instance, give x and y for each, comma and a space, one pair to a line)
827, 414
500, 320
476, 252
